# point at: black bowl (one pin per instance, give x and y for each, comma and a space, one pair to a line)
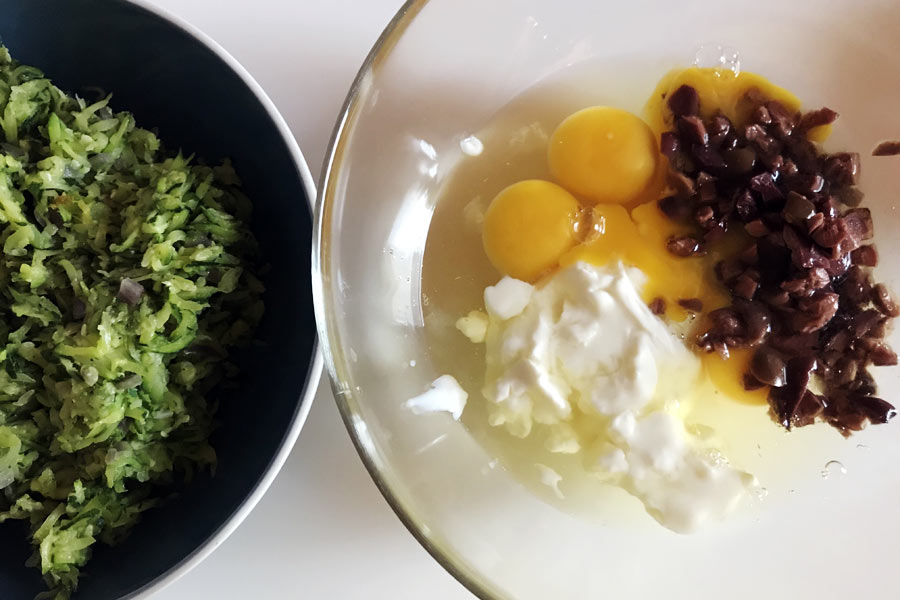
203, 102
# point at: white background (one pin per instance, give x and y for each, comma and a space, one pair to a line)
323, 530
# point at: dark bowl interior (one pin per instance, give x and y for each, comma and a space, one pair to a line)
171, 81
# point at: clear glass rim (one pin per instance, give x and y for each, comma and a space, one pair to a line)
344, 397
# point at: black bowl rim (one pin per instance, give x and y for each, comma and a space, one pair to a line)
304, 402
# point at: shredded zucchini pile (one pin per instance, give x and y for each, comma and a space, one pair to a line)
125, 277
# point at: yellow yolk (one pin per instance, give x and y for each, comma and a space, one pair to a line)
604, 154
610, 159
639, 240
728, 375
528, 226
720, 90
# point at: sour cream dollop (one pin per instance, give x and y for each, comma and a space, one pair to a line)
583, 347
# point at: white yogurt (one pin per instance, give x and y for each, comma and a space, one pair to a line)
583, 345
444, 395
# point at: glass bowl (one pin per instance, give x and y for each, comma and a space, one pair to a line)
821, 527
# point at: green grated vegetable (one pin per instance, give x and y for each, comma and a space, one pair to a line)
125, 278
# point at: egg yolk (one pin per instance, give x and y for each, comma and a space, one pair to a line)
720, 90
604, 154
727, 375
639, 239
609, 158
528, 226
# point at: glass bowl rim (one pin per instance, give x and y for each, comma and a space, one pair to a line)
324, 307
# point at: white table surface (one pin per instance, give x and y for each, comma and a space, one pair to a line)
323, 530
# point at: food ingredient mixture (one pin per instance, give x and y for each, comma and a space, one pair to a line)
125, 279
802, 293
601, 337
583, 356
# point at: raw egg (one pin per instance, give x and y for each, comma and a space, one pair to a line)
638, 239
609, 160
604, 154
528, 226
